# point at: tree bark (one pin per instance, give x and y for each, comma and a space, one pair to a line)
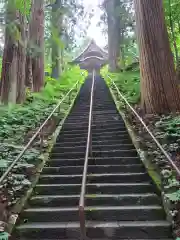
37, 44
173, 32
113, 34
28, 68
159, 89
9, 62
21, 60
56, 21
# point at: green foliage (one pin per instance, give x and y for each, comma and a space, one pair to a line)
171, 185
174, 197
17, 120
171, 126
4, 236
172, 12
23, 6
128, 83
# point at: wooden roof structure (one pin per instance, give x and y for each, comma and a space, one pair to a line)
92, 57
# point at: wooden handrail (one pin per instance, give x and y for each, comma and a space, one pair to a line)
17, 159
84, 178
174, 166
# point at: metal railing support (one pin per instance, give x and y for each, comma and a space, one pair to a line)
174, 166
84, 178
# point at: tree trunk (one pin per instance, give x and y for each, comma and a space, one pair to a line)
56, 21
21, 60
37, 44
113, 34
28, 68
172, 31
9, 62
159, 89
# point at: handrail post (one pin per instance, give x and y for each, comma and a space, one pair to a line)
82, 223
82, 218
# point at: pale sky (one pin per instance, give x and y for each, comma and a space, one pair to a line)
94, 31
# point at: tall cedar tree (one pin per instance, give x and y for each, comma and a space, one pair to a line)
36, 43
13, 64
113, 20
56, 22
159, 89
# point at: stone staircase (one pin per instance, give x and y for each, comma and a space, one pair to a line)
121, 200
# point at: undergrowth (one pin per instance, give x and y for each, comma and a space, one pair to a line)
17, 120
128, 82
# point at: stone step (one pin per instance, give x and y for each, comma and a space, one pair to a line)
101, 230
95, 213
94, 143
100, 148
99, 169
105, 141
95, 133
95, 200
100, 137
103, 118
94, 239
96, 112
113, 153
94, 178
72, 125
56, 161
95, 130
103, 188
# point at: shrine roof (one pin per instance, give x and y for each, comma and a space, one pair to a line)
93, 50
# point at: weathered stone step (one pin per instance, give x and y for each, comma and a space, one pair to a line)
95, 134
104, 118
100, 188
99, 137
81, 154
97, 239
56, 161
117, 137
74, 155
102, 147
95, 130
95, 169
96, 112
102, 123
95, 178
95, 200
70, 138
116, 230
94, 143
100, 213
115, 153
109, 147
